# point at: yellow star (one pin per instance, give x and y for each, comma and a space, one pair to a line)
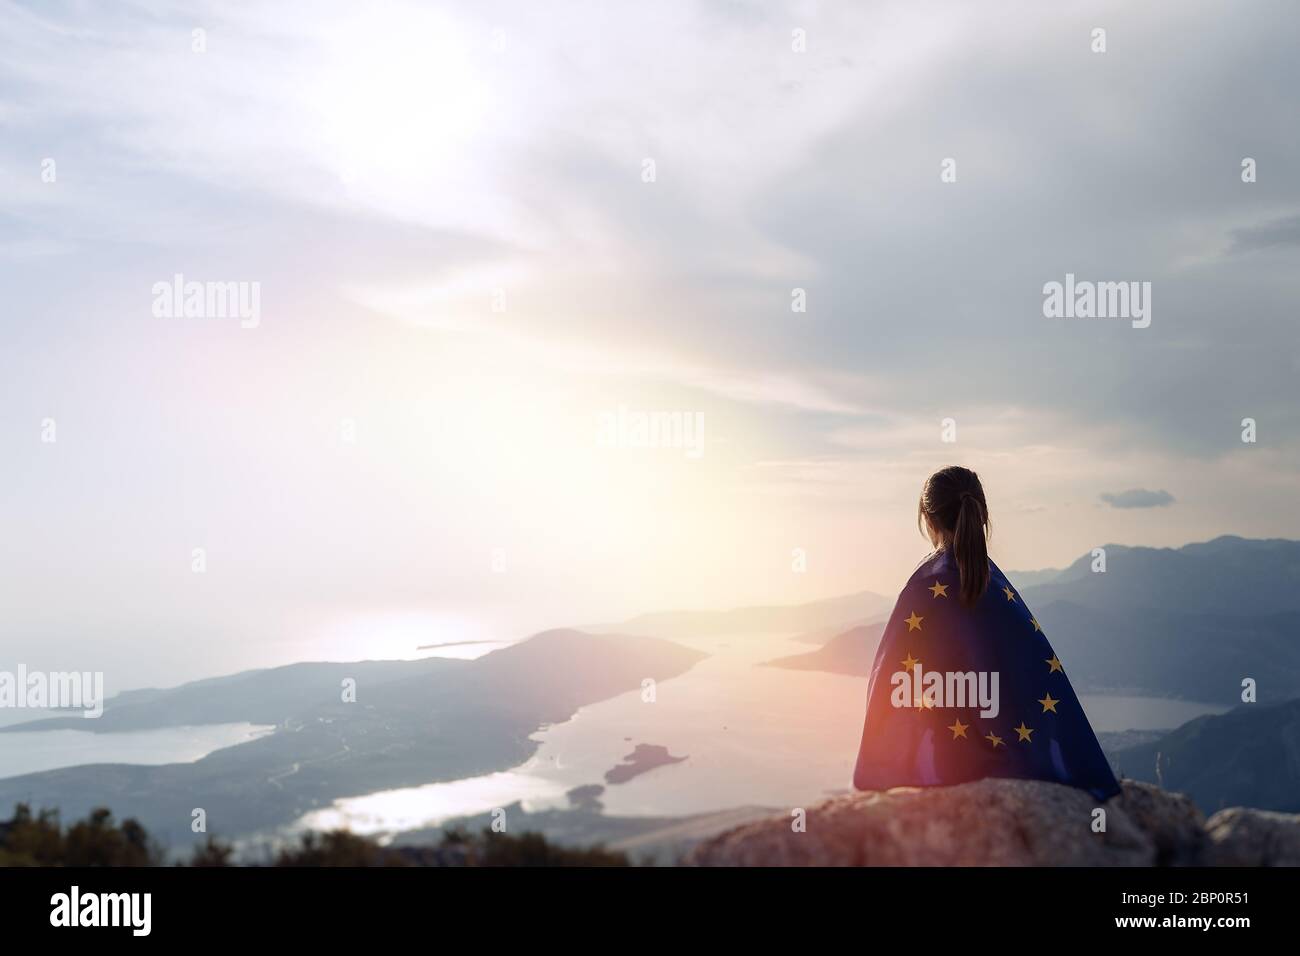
909, 662
1049, 704
958, 729
1034, 621
914, 622
1008, 592
994, 739
940, 590
1053, 665
1023, 731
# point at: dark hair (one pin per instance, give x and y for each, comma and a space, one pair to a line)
952, 500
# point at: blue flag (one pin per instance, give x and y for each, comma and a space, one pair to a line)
961, 693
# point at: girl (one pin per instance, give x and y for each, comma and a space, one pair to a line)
964, 684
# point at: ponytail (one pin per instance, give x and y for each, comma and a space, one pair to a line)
970, 549
954, 513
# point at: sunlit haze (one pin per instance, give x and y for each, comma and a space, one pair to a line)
470, 288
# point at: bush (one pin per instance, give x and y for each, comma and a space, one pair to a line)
27, 840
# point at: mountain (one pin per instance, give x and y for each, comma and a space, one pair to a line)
831, 612
1028, 579
1249, 756
1008, 823
268, 696
852, 652
412, 723
1228, 574
1186, 622
1199, 655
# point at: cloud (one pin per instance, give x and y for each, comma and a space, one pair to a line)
1137, 498
1266, 235
384, 169
775, 170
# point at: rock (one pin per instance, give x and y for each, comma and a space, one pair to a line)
1172, 821
1007, 823
986, 823
1240, 836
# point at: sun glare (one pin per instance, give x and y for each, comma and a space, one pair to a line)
398, 105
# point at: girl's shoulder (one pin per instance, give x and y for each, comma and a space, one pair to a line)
939, 567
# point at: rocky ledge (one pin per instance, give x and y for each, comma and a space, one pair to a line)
1009, 823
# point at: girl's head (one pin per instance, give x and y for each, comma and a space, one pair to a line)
955, 516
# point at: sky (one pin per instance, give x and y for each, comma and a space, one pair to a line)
487, 239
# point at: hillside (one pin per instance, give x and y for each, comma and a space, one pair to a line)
412, 723
1198, 655
1250, 755
268, 696
1228, 574
849, 653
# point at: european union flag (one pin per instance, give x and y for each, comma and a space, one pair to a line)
960, 693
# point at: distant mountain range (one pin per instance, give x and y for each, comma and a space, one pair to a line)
831, 612
1249, 756
1188, 622
413, 722
1229, 574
